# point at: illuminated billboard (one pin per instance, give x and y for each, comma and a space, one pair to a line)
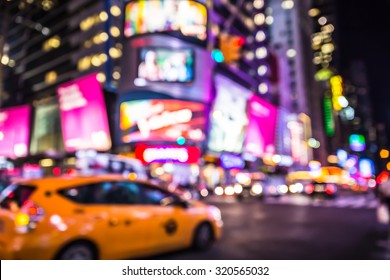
186, 16
162, 120
260, 133
14, 131
83, 115
166, 65
228, 118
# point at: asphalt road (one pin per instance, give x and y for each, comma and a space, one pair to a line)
272, 231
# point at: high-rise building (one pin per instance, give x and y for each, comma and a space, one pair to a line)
49, 43
246, 21
295, 88
53, 45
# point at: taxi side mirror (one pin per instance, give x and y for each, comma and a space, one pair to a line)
175, 201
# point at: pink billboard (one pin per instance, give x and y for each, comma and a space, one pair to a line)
260, 133
83, 115
14, 131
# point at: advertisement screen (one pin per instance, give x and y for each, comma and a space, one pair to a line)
188, 17
83, 115
166, 65
260, 135
162, 120
228, 118
14, 131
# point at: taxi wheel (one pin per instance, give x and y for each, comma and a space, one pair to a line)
204, 237
78, 251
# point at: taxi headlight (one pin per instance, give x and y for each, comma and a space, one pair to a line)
257, 189
215, 213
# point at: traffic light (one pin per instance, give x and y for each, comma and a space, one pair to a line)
230, 46
217, 55
181, 140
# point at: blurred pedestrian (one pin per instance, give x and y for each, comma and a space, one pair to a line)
384, 194
383, 210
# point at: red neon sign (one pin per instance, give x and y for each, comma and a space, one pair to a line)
176, 154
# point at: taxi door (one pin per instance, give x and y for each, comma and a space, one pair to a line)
128, 223
171, 226
127, 234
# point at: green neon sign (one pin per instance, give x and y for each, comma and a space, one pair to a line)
328, 117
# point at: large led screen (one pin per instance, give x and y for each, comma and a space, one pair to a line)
162, 120
83, 115
166, 65
188, 17
260, 135
14, 131
228, 118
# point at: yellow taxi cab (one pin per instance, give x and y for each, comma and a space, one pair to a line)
100, 217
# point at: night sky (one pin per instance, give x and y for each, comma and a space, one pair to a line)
364, 33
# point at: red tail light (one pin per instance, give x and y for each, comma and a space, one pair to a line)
330, 189
309, 189
32, 211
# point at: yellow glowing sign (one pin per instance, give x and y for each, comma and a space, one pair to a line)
336, 86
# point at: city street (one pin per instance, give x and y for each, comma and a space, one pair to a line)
272, 230
274, 113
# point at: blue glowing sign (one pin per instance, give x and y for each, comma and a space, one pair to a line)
357, 142
366, 168
230, 161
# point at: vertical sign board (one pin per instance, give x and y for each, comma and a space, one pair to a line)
328, 117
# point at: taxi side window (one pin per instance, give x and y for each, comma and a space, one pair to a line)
124, 193
104, 193
155, 196
87, 194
